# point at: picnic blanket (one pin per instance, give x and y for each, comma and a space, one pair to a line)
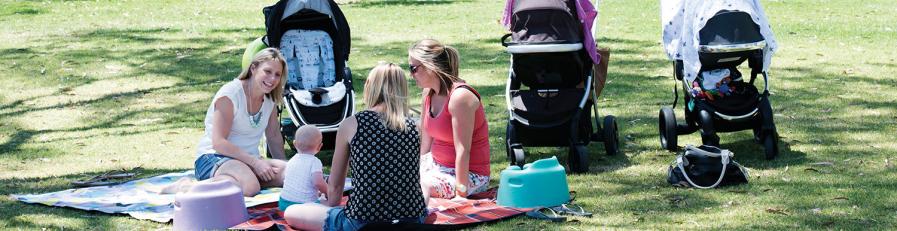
138, 198
443, 214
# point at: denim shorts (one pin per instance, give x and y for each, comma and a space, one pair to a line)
338, 221
207, 164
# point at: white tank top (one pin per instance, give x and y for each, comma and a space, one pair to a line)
242, 134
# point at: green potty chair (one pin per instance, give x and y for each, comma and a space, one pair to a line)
252, 49
542, 183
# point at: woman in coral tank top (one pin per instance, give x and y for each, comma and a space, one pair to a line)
454, 134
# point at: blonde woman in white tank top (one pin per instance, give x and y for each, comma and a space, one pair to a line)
242, 111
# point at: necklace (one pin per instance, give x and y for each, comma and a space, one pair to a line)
255, 119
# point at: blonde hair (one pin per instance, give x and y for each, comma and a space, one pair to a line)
386, 85
265, 55
442, 59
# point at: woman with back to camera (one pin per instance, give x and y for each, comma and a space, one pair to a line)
381, 146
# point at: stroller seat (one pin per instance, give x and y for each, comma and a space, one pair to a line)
545, 108
312, 75
743, 104
309, 55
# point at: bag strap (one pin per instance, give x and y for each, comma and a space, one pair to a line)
725, 154
465, 86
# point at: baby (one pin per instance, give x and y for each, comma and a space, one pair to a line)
303, 178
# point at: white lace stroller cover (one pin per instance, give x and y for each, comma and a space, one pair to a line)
309, 58
683, 20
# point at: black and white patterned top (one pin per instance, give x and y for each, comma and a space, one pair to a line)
385, 167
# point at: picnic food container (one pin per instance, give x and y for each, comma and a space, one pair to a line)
212, 204
542, 183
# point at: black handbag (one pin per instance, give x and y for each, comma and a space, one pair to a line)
706, 167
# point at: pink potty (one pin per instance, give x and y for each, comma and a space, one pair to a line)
213, 204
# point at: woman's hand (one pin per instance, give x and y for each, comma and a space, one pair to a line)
263, 169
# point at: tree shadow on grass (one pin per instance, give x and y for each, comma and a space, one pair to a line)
198, 65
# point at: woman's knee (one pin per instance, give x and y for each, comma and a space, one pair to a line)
308, 216
243, 175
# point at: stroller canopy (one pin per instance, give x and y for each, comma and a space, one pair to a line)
294, 6
584, 10
683, 20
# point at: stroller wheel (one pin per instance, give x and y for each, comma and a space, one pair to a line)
611, 135
667, 126
517, 157
578, 159
515, 151
771, 145
757, 135
708, 134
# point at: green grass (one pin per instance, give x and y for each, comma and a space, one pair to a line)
91, 86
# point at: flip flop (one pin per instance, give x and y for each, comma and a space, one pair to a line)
571, 209
545, 213
108, 178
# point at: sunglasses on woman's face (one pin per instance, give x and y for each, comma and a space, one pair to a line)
413, 68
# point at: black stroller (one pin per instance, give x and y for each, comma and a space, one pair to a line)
313, 36
729, 37
549, 88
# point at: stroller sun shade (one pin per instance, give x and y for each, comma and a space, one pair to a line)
689, 24
544, 22
730, 27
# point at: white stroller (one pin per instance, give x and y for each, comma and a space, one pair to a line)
707, 41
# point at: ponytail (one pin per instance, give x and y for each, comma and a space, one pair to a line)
444, 60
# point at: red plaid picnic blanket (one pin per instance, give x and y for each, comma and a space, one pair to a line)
477, 208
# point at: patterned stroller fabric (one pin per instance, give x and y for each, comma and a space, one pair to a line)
309, 55
683, 20
314, 37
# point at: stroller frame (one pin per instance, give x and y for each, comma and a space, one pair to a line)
578, 126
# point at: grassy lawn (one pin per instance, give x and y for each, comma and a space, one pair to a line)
92, 86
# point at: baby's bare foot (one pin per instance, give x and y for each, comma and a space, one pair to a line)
182, 185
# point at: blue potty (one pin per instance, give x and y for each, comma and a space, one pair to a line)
542, 183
